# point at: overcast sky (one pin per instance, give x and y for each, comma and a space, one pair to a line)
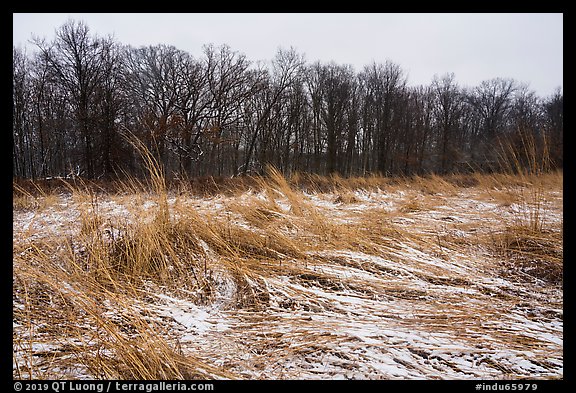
475, 47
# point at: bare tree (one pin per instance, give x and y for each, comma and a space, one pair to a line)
150, 76
492, 103
75, 58
21, 133
336, 87
286, 69
193, 104
110, 102
447, 111
554, 126
384, 85
230, 85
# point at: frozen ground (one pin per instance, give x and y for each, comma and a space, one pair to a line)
437, 304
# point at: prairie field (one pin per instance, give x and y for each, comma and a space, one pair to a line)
300, 277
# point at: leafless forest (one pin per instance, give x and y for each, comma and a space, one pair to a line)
221, 114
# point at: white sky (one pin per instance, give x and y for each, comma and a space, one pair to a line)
475, 47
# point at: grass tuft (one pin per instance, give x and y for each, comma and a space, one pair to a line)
290, 266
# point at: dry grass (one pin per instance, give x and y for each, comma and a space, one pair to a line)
35, 199
531, 254
68, 311
295, 272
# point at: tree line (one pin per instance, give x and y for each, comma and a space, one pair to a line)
77, 97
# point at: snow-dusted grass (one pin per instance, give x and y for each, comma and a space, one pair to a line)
300, 278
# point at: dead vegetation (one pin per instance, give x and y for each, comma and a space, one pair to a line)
530, 254
301, 277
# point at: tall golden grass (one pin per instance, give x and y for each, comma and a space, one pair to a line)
86, 294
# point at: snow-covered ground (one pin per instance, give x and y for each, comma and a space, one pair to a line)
433, 303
